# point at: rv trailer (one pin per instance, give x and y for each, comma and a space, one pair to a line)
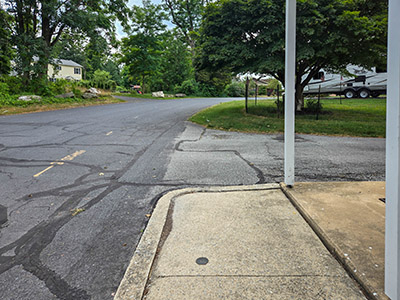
363, 83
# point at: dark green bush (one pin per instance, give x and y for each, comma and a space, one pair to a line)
14, 84
235, 89
313, 106
188, 87
4, 90
60, 86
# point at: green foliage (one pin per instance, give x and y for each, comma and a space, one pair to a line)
4, 90
14, 83
249, 36
186, 15
96, 52
214, 82
13, 101
121, 89
235, 89
188, 87
101, 78
59, 86
313, 106
274, 84
141, 51
175, 64
38, 26
77, 92
5, 43
85, 83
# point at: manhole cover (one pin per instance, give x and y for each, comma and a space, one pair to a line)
202, 261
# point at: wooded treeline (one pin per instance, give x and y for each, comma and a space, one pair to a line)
191, 46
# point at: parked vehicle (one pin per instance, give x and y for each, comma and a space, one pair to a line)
362, 84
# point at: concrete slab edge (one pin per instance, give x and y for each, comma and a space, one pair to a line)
332, 247
133, 284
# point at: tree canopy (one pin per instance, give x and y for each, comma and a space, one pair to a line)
186, 15
5, 43
39, 24
249, 36
141, 51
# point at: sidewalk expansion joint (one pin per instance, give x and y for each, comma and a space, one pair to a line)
244, 276
336, 252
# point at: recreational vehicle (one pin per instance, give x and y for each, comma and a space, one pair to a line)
363, 83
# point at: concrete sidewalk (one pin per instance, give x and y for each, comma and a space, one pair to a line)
349, 217
251, 242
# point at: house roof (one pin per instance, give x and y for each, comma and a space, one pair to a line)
66, 62
62, 62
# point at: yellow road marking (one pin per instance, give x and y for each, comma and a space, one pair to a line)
68, 157
108, 133
73, 155
40, 173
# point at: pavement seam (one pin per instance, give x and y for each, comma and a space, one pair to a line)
134, 282
336, 252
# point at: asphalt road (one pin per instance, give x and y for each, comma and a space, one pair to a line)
79, 185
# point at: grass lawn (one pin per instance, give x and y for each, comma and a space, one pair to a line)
12, 106
354, 117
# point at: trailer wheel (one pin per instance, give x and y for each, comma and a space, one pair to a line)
349, 94
364, 93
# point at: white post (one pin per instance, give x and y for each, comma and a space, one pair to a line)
290, 68
392, 237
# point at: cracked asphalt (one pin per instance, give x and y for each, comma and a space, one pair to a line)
78, 185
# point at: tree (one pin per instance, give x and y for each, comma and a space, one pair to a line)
112, 67
97, 52
5, 43
101, 78
39, 25
248, 36
70, 47
186, 15
175, 64
141, 51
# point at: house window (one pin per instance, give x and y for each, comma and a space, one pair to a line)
77, 70
58, 68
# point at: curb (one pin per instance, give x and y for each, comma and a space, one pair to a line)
133, 284
332, 247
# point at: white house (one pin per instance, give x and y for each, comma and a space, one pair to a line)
66, 69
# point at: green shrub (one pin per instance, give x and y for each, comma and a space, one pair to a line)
14, 84
120, 89
208, 90
85, 83
77, 92
262, 90
235, 89
188, 87
313, 106
60, 86
4, 90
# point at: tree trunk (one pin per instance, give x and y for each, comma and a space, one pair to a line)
143, 87
299, 97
